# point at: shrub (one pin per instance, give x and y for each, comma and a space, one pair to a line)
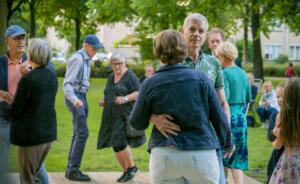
272, 69
282, 58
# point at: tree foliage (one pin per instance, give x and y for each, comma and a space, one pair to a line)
70, 18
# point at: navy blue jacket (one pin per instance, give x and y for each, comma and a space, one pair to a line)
4, 80
188, 96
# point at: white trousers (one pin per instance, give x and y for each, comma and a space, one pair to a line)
172, 166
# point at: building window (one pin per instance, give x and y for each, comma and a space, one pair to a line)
294, 53
272, 51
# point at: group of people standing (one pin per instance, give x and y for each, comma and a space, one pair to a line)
195, 101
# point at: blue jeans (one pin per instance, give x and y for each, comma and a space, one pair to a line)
43, 175
4, 144
265, 113
80, 132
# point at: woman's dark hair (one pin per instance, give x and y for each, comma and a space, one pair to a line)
169, 46
290, 114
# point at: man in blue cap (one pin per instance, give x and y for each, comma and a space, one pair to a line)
75, 87
10, 74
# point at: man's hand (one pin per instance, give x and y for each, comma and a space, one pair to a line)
5, 96
101, 103
164, 124
25, 68
78, 103
228, 154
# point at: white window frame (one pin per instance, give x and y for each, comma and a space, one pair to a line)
272, 44
294, 54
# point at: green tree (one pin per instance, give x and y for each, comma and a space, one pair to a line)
7, 9
71, 19
3, 24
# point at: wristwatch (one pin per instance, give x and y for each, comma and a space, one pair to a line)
126, 99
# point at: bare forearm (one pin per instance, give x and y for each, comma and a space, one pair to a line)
224, 103
226, 110
132, 96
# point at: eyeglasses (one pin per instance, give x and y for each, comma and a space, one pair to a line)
117, 64
18, 38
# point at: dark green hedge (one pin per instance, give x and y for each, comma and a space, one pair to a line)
273, 69
99, 70
270, 69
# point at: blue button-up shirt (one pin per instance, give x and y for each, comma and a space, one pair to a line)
77, 75
188, 96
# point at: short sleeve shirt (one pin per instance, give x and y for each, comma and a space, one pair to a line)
210, 66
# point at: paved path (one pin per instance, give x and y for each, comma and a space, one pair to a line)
110, 178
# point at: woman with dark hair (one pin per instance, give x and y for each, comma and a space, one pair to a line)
187, 96
287, 132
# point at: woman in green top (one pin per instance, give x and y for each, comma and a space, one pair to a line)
238, 93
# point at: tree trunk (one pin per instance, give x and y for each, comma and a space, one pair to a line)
77, 33
257, 58
32, 18
3, 25
245, 44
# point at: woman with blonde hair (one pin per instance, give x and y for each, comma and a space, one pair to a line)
238, 93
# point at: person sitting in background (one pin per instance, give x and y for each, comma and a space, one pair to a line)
268, 102
149, 70
276, 152
290, 71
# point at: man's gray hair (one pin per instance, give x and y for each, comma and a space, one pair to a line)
198, 17
40, 52
117, 56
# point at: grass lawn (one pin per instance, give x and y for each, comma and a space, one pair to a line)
104, 160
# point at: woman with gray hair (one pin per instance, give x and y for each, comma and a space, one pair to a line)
119, 95
33, 124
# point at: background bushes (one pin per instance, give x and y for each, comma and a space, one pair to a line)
273, 69
101, 70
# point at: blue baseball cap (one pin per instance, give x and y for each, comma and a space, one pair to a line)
14, 31
93, 41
